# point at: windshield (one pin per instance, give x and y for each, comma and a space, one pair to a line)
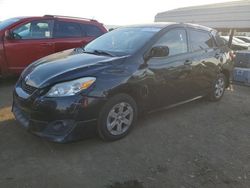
122, 41
8, 22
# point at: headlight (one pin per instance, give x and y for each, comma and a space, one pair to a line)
70, 88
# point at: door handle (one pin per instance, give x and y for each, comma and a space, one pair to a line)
188, 62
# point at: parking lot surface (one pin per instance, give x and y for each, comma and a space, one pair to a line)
200, 144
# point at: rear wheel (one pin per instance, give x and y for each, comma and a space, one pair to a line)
117, 117
218, 88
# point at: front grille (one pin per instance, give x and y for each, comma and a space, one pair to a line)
27, 88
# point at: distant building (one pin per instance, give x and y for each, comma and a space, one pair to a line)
221, 16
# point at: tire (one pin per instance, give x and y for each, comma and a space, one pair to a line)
218, 88
117, 117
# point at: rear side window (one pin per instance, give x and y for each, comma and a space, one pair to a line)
67, 30
200, 40
91, 30
175, 40
220, 41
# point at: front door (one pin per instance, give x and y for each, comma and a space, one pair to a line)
31, 41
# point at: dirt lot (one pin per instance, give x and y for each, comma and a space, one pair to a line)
200, 144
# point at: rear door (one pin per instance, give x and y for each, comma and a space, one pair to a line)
90, 32
206, 58
69, 34
32, 40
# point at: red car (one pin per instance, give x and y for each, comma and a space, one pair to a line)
26, 39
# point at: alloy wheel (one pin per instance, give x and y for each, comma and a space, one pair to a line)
120, 118
219, 87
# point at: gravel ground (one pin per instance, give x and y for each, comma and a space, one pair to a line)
200, 144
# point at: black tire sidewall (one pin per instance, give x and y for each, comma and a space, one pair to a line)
102, 120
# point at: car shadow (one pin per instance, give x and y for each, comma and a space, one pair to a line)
10, 127
8, 81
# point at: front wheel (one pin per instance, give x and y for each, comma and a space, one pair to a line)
218, 88
117, 117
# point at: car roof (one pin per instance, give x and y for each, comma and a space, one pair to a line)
70, 18
166, 24
197, 26
155, 25
59, 17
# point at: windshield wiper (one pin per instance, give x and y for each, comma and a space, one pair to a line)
99, 52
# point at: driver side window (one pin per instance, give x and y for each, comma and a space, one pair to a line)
175, 40
34, 30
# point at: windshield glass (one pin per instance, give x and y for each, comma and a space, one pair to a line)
122, 41
8, 22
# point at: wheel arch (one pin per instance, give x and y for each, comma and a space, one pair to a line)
137, 92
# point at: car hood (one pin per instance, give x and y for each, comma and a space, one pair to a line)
65, 65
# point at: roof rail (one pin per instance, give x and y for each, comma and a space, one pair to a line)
60, 16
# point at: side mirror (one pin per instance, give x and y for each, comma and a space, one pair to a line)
8, 35
157, 51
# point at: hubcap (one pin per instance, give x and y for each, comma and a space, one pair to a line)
120, 118
219, 87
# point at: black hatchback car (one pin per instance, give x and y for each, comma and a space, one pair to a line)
130, 70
